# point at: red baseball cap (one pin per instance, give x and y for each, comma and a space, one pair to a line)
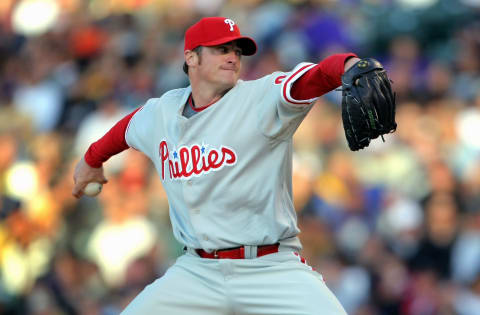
212, 31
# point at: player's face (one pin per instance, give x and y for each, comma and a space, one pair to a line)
220, 65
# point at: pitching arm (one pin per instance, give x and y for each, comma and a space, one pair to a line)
89, 168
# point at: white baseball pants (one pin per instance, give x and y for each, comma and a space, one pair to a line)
275, 284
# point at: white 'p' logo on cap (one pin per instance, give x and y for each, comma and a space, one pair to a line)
231, 23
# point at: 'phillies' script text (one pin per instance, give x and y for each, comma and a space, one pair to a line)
195, 160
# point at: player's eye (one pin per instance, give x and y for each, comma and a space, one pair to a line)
238, 52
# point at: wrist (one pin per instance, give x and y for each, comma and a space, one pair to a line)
350, 62
90, 159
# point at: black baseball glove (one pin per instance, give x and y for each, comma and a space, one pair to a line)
368, 103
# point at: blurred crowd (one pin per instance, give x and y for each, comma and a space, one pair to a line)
394, 229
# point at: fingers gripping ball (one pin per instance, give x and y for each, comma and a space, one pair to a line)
368, 103
92, 189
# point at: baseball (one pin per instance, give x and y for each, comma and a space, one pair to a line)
92, 189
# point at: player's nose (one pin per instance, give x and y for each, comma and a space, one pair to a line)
232, 57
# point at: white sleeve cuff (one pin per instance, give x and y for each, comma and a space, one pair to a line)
128, 128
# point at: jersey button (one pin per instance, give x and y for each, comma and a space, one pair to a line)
189, 182
205, 238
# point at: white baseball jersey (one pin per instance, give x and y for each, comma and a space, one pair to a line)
227, 170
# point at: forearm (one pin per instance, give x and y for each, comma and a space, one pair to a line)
322, 78
113, 142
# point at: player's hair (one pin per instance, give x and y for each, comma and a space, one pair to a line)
198, 50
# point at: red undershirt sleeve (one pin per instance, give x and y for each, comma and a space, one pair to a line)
321, 79
113, 142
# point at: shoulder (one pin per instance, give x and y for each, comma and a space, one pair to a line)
274, 78
174, 94
278, 77
169, 97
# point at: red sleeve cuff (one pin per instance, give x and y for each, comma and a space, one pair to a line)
322, 78
91, 159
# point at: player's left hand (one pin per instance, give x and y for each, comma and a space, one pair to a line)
85, 174
368, 103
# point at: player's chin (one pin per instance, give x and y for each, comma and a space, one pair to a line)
229, 77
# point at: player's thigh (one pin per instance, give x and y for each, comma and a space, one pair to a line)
291, 288
183, 290
313, 297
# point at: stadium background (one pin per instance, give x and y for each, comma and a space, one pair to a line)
394, 229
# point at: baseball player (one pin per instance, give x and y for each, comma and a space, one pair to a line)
223, 150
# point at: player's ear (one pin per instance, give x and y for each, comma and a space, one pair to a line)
191, 58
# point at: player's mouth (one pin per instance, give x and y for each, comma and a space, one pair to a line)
230, 68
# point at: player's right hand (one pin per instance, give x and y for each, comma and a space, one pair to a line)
85, 174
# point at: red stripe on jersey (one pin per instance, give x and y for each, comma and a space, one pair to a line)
303, 260
286, 83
